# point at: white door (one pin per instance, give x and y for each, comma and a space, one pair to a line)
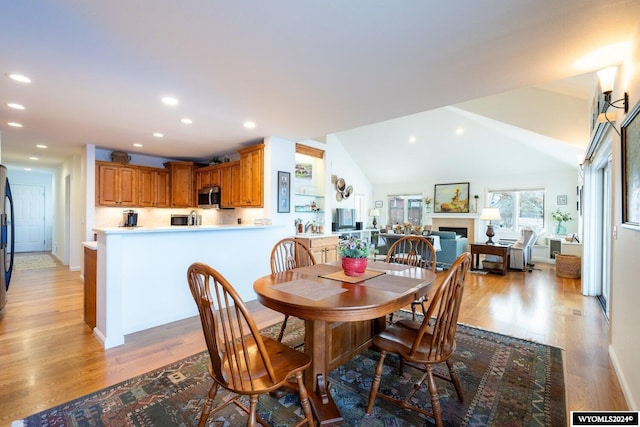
28, 205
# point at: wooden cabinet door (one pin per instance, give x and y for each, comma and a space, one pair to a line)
182, 179
116, 185
252, 172
226, 186
236, 184
162, 189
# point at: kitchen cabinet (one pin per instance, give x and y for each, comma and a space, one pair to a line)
182, 181
229, 184
252, 175
323, 248
153, 187
208, 177
90, 257
116, 184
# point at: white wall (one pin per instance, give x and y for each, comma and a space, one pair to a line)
625, 291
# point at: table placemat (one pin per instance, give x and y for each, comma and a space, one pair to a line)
318, 269
309, 289
392, 283
340, 276
387, 266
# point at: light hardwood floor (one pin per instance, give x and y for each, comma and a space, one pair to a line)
48, 355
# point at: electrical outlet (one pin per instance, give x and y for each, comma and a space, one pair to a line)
615, 232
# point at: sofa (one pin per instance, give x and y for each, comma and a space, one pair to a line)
452, 246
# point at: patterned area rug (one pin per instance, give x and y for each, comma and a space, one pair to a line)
506, 381
32, 262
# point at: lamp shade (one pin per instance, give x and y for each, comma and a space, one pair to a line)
374, 212
489, 214
607, 76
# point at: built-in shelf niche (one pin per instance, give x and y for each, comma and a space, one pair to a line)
309, 191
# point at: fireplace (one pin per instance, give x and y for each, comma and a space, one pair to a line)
460, 231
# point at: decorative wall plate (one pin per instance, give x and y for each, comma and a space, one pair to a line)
340, 185
339, 196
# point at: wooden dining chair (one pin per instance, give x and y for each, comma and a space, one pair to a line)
241, 360
426, 343
416, 251
288, 254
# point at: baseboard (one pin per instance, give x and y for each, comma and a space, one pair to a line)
626, 391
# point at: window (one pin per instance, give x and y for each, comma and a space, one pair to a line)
518, 208
405, 208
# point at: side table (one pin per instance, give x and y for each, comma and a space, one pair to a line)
497, 249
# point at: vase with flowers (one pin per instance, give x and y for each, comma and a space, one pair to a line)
354, 253
427, 204
561, 217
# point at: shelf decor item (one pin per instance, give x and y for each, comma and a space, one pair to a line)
354, 253
561, 217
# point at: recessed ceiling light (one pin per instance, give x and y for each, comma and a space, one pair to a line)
169, 100
15, 106
459, 131
14, 124
412, 139
158, 135
27, 169
33, 158
20, 78
186, 121
41, 146
249, 124
138, 145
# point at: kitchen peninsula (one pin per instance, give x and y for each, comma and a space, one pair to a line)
141, 278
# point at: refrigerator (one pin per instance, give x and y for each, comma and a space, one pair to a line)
7, 239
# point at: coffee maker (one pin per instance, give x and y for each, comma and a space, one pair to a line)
129, 218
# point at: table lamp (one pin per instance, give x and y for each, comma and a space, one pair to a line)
374, 213
490, 214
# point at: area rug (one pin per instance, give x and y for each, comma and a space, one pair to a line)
32, 262
506, 382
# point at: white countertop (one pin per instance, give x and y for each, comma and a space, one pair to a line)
90, 245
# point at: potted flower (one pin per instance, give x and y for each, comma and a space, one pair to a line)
354, 253
561, 217
427, 204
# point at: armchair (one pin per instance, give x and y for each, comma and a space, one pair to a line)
452, 246
522, 251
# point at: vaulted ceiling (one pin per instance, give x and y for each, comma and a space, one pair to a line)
299, 70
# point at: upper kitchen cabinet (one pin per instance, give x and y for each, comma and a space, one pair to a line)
154, 187
116, 184
182, 179
208, 177
229, 184
252, 176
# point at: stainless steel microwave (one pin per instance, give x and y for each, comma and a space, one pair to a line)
209, 198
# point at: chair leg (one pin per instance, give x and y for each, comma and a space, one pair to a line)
206, 407
454, 378
304, 399
376, 382
435, 399
282, 328
253, 403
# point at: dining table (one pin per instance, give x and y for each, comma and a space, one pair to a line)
341, 313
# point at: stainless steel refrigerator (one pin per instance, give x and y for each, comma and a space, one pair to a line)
7, 236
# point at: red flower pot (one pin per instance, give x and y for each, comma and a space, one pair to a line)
354, 266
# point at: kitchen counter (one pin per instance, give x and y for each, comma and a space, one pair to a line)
90, 245
142, 272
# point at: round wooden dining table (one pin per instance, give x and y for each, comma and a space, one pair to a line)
342, 314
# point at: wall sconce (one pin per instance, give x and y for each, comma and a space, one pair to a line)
490, 214
606, 77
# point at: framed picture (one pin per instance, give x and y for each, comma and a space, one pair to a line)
378, 204
284, 192
451, 198
630, 133
562, 199
304, 170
